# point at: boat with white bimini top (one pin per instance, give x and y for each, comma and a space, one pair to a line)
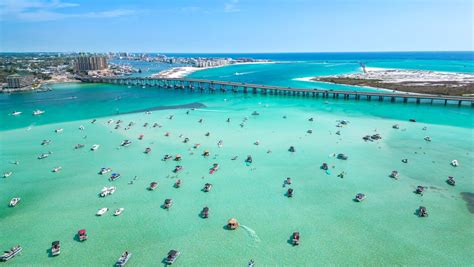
95, 147
9, 254
38, 112
14, 201
57, 169
105, 170
123, 259
16, 113
60, 130
107, 191
172, 256
102, 211
55, 248
118, 211
44, 155
7, 174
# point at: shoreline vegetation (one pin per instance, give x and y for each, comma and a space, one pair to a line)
409, 81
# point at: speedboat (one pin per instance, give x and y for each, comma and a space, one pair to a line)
172, 256
451, 181
153, 186
420, 189
220, 143
255, 113
145, 125
45, 142
376, 137
81, 127
55, 248
126, 143
178, 157
9, 254
105, 170
177, 184
232, 224
178, 168
167, 157
123, 259
214, 168
82, 235
295, 238
57, 169
251, 263
422, 212
324, 166
309, 131
186, 140
14, 201
110, 121
7, 174
454, 163
147, 150
95, 147
396, 126
360, 197
427, 139
207, 187
342, 156
16, 113
93, 121
106, 191
79, 146
60, 130
38, 112
288, 181
141, 137
289, 193
394, 174
206, 153
43, 156
412, 120
205, 212
114, 176
168, 203
311, 119
249, 159
291, 149
118, 211
102, 211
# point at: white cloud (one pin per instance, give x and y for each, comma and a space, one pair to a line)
231, 6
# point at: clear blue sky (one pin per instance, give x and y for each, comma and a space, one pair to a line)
236, 25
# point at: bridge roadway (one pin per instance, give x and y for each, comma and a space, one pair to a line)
212, 86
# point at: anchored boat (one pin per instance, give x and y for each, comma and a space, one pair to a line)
9, 254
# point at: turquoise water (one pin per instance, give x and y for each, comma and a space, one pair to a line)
335, 230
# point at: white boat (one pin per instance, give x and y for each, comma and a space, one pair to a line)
105, 170
118, 211
43, 156
427, 138
106, 191
14, 201
57, 169
16, 113
9, 254
60, 130
7, 174
81, 127
55, 248
110, 121
126, 143
454, 163
95, 147
38, 112
123, 259
102, 211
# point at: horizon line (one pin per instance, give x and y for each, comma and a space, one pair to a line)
281, 52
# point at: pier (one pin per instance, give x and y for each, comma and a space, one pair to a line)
199, 85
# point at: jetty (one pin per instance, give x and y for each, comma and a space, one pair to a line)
211, 86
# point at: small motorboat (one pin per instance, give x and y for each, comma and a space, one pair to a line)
207, 134
60, 130
16, 113
81, 127
178, 157
249, 159
394, 174
78, 146
44, 155
412, 120
167, 157
291, 149
57, 169
311, 119
342, 156
325, 166
141, 137
220, 143
145, 124
168, 203
110, 121
251, 263
14, 201
172, 256
454, 163
105, 170
114, 176
45, 142
309, 131
295, 238
289, 192
126, 143
177, 184
420, 189
107, 191
7, 174
214, 168
147, 150
93, 121
197, 145
9, 254
207, 187
205, 212
288, 181
82, 235
206, 153
396, 126
178, 169
102, 211
422, 212
255, 113
95, 147
123, 259
405, 160
55, 248
167, 134
118, 211
360, 197
376, 137
427, 139
451, 181
153, 186
200, 120
232, 224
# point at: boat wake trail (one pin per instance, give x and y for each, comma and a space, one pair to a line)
251, 233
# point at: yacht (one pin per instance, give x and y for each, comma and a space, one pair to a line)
118, 211
57, 169
454, 163
14, 201
172, 256
7, 174
45, 142
38, 112
55, 248
16, 113
9, 254
123, 259
106, 191
60, 130
126, 143
153, 186
95, 147
105, 170
102, 211
114, 176
43, 156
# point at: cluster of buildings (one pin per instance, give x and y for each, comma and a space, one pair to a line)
86, 63
20, 80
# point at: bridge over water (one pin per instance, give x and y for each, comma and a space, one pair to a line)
199, 85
